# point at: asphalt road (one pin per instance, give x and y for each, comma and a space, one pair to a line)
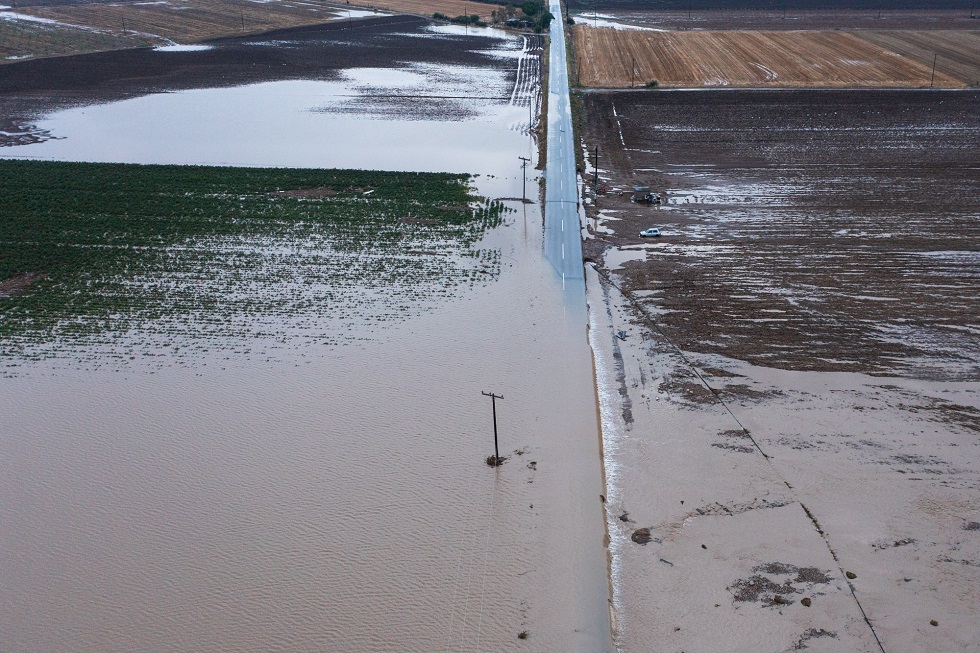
562, 232
588, 602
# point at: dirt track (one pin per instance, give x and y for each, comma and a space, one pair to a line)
814, 230
612, 58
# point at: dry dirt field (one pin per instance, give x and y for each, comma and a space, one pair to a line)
615, 58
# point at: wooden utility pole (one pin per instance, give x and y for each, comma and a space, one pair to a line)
524, 161
530, 114
934, 60
595, 174
496, 449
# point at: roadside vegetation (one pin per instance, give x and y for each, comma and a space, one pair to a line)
95, 255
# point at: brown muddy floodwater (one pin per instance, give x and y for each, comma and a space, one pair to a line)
332, 497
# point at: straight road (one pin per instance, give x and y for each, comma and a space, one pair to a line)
588, 603
562, 232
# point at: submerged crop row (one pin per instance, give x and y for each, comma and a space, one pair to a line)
95, 256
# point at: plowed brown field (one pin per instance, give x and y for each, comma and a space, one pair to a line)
189, 21
614, 58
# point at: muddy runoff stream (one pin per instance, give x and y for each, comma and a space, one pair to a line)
332, 497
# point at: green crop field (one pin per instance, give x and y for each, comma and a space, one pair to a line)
107, 261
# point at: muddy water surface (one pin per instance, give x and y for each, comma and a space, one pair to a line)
337, 497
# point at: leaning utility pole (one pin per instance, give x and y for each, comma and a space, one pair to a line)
496, 449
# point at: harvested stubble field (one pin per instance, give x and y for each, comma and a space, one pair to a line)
127, 260
812, 230
614, 58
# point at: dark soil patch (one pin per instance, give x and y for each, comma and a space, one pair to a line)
754, 588
788, 579
19, 283
811, 575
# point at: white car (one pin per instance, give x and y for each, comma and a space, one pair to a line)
652, 232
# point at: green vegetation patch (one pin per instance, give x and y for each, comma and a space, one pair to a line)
123, 260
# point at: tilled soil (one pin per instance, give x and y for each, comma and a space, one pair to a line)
608, 57
31, 89
809, 230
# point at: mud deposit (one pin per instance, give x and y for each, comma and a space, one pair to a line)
790, 375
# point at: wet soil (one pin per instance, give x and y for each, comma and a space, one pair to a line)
807, 230
31, 89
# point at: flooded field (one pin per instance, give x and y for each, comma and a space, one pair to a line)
790, 374
810, 208
287, 491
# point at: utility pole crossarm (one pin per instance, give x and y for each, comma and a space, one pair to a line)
496, 449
